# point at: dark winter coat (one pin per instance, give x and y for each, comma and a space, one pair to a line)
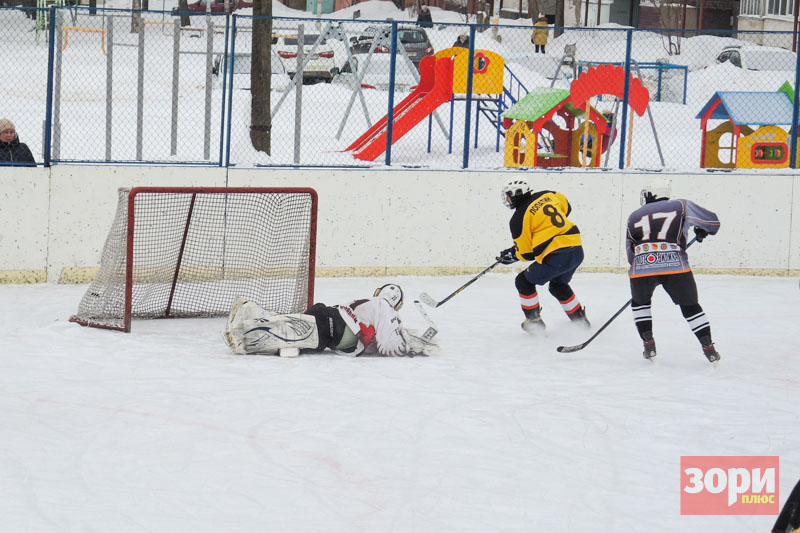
15, 152
425, 19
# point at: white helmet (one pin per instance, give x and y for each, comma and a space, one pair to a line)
391, 293
513, 190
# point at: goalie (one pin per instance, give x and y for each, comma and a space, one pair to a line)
366, 326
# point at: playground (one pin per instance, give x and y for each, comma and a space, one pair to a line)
125, 93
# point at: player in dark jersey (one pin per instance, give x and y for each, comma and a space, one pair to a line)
656, 249
543, 234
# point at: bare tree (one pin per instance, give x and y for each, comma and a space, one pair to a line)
534, 9
559, 29
183, 7
260, 76
670, 15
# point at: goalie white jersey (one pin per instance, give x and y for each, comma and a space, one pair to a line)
377, 325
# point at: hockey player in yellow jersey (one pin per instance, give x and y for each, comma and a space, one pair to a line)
543, 234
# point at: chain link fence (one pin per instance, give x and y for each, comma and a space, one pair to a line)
110, 85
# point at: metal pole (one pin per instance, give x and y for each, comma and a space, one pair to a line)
209, 62
140, 96
470, 76
229, 81
57, 89
390, 103
176, 58
795, 110
298, 93
109, 83
625, 98
48, 122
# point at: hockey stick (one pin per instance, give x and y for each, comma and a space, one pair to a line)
431, 331
581, 346
429, 301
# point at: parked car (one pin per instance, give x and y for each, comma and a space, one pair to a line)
217, 6
318, 68
754, 57
414, 40
241, 71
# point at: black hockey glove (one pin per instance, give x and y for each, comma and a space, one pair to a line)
508, 256
700, 233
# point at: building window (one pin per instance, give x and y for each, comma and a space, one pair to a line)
780, 7
751, 7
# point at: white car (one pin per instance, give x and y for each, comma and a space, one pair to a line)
241, 71
754, 57
320, 65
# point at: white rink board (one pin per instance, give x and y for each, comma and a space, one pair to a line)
404, 221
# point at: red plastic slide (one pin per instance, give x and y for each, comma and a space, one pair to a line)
435, 88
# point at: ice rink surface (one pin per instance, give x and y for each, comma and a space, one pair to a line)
163, 429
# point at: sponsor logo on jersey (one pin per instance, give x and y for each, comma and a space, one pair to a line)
658, 259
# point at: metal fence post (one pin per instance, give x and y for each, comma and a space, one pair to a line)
207, 116
468, 108
390, 104
298, 92
229, 83
626, 95
56, 148
109, 83
140, 93
48, 121
176, 69
223, 75
795, 110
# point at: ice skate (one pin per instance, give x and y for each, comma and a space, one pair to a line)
710, 352
533, 323
578, 318
649, 347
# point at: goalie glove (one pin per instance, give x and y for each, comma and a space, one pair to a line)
508, 256
416, 345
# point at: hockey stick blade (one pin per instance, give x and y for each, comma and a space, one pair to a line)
431, 331
570, 349
427, 300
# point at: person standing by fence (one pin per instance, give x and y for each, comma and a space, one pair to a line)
540, 33
13, 152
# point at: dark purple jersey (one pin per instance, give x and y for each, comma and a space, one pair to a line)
657, 236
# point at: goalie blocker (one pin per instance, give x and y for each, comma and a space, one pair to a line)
367, 326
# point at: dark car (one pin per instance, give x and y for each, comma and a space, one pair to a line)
414, 40
218, 6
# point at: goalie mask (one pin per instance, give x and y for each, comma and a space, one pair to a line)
513, 191
391, 293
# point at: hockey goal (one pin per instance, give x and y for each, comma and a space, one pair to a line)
177, 252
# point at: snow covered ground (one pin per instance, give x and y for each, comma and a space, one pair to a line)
164, 430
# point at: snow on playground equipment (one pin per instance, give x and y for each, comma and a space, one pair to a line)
734, 144
443, 77
572, 145
487, 87
360, 70
435, 88
67, 29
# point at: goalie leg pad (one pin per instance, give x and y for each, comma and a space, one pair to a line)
418, 345
252, 329
278, 332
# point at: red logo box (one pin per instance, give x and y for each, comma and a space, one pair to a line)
729, 485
